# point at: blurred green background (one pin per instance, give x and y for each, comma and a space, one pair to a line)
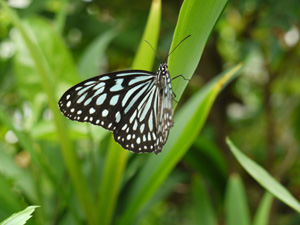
259, 111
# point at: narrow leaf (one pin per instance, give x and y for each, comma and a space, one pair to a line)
111, 181
204, 213
196, 18
145, 56
236, 205
264, 178
263, 212
20, 218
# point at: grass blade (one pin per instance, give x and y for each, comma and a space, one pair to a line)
111, 181
262, 213
204, 213
264, 178
145, 56
236, 206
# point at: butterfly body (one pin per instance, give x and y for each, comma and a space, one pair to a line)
135, 105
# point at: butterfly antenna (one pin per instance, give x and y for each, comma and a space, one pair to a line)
176, 47
153, 50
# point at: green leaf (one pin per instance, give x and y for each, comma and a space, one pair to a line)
236, 206
145, 56
20, 218
196, 18
111, 181
264, 178
263, 212
60, 18
92, 58
188, 122
204, 213
50, 44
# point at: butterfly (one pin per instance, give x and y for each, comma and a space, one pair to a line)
136, 105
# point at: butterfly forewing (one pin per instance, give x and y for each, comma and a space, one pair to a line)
135, 105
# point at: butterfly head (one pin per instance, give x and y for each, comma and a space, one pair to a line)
162, 74
163, 68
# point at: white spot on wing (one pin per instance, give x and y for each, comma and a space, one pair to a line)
142, 127
101, 99
118, 117
118, 86
92, 110
114, 100
104, 112
81, 98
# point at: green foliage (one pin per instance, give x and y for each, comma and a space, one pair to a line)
262, 177
78, 174
237, 211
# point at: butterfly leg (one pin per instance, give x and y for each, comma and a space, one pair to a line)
180, 76
174, 96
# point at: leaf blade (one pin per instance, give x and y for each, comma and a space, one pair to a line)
197, 18
264, 178
20, 218
237, 211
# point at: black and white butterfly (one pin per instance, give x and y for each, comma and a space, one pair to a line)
136, 105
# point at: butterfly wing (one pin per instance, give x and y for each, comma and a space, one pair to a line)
124, 102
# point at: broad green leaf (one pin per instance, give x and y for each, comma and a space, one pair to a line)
264, 178
188, 122
117, 157
55, 52
92, 58
204, 212
20, 218
236, 205
263, 212
196, 18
